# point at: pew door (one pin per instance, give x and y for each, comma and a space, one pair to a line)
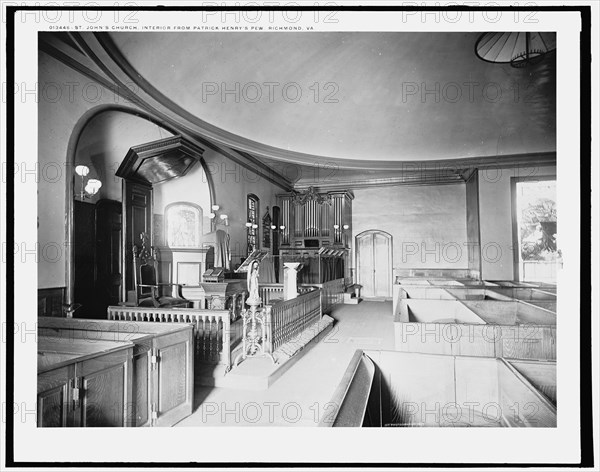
374, 263
172, 377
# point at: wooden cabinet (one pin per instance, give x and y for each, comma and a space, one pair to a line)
162, 365
83, 383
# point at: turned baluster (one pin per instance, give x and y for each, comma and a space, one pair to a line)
198, 337
203, 339
227, 343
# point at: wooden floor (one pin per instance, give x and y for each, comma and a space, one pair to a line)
301, 395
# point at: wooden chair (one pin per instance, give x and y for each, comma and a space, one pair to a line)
148, 291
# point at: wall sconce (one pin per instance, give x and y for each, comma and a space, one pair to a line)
274, 228
89, 188
219, 218
249, 224
345, 227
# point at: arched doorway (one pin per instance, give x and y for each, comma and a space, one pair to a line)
374, 263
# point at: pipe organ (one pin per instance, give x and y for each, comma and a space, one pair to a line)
316, 229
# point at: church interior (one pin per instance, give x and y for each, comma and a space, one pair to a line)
335, 229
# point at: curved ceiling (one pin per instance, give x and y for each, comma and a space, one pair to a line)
382, 96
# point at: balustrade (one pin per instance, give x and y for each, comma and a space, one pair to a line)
287, 319
214, 335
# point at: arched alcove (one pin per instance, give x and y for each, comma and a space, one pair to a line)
100, 141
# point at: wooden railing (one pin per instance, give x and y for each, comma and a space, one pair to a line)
332, 292
269, 292
287, 319
272, 293
214, 335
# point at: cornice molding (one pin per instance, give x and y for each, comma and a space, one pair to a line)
116, 73
111, 82
443, 172
234, 141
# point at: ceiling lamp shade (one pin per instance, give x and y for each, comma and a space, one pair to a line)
517, 48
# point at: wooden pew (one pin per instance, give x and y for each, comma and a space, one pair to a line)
84, 384
388, 388
508, 329
162, 367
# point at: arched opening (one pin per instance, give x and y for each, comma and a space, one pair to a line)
94, 262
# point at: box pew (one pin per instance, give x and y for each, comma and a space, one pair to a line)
484, 328
163, 362
546, 305
541, 374
412, 281
525, 294
386, 388
510, 312
477, 293
417, 291
441, 327
436, 311
83, 384
523, 330
529, 295
537, 285
446, 283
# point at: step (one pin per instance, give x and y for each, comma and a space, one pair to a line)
260, 373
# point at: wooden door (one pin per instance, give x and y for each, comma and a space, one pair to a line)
108, 254
105, 388
54, 397
374, 263
172, 378
137, 217
84, 250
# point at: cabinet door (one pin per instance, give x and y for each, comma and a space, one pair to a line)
140, 407
105, 385
54, 397
172, 378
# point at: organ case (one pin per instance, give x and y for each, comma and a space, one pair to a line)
317, 230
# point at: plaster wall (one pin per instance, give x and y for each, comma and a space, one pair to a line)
427, 223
